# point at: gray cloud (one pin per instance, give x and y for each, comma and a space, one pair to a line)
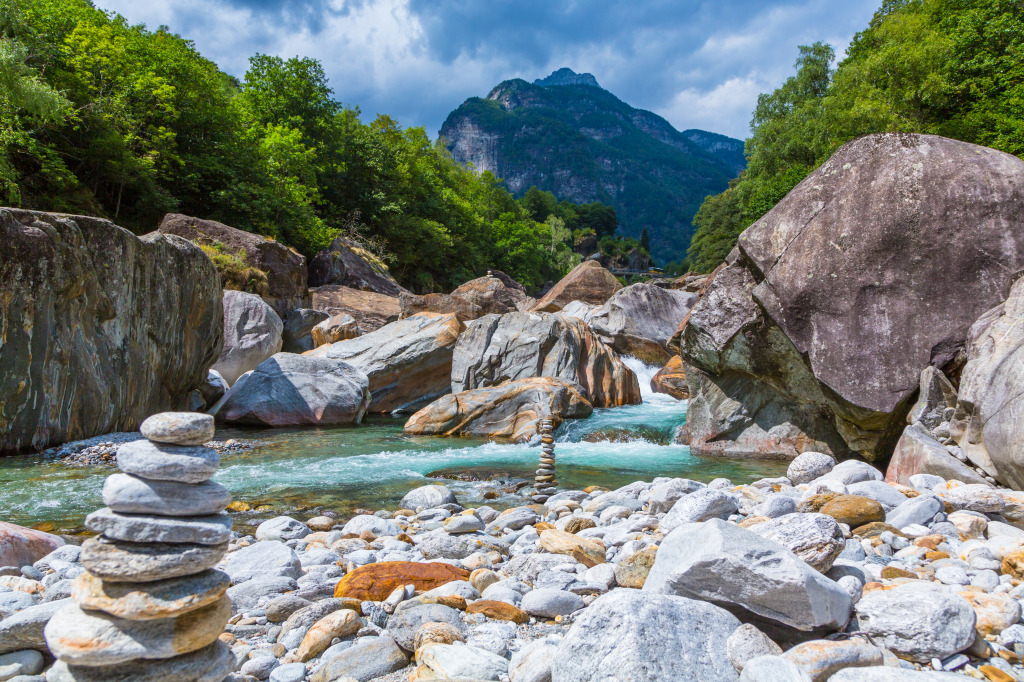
699, 63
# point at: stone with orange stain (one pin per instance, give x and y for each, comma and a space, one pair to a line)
935, 556
374, 582
455, 601
22, 584
821, 658
854, 510
995, 612
587, 552
671, 379
994, 674
929, 541
94, 638
341, 623
498, 610
152, 600
1013, 564
752, 521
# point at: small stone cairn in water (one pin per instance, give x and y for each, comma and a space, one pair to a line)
545, 482
150, 606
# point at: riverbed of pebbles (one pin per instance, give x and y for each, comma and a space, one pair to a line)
828, 573
102, 450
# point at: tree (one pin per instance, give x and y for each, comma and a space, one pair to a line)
645, 241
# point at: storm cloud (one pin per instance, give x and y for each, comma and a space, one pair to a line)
700, 64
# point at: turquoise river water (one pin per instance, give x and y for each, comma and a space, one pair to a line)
371, 466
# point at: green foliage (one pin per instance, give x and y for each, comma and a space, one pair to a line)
946, 67
101, 117
235, 272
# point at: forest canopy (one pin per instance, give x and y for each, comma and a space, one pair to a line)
104, 118
947, 67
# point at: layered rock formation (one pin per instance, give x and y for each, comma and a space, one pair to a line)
101, 328
150, 601
874, 267
370, 310
640, 319
347, 263
588, 282
495, 349
285, 267
513, 410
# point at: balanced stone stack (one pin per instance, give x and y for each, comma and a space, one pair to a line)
545, 482
150, 606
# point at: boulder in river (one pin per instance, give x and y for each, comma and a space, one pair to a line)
252, 333
875, 266
285, 267
990, 407
443, 304
640, 319
495, 349
289, 389
347, 263
511, 410
408, 362
370, 310
101, 328
480, 296
589, 282
671, 379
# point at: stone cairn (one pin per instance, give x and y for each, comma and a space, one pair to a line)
545, 483
150, 606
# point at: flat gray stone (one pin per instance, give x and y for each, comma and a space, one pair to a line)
462, 523
916, 510
514, 519
133, 495
305, 617
24, 662
280, 608
136, 562
94, 638
550, 603
282, 528
699, 506
210, 664
24, 630
739, 570
458, 661
151, 600
364, 662
815, 538
879, 491
161, 462
289, 672
212, 529
374, 524
438, 544
887, 674
246, 595
179, 428
260, 559
643, 637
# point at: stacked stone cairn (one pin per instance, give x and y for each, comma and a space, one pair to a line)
150, 607
545, 482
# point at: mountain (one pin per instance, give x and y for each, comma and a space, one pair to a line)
568, 135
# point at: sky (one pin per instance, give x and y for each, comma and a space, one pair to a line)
698, 63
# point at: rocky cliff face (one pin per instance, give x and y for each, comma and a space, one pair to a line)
98, 328
566, 134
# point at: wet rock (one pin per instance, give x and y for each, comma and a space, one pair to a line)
212, 529
161, 462
252, 333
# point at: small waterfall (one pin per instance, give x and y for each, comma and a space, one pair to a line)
644, 374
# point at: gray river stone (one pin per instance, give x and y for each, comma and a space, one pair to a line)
179, 428
92, 638
808, 466
161, 462
246, 595
133, 495
24, 662
919, 621
136, 562
747, 643
210, 664
439, 544
24, 630
403, 625
374, 524
308, 615
879, 491
917, 510
282, 528
739, 570
773, 669
699, 506
638, 636
815, 538
212, 529
428, 497
664, 495
887, 674
364, 662
267, 558
550, 603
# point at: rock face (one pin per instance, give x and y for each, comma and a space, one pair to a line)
347, 263
640, 319
370, 310
495, 349
21, 546
633, 635
285, 268
252, 333
671, 379
101, 328
408, 363
512, 410
986, 423
588, 282
872, 268
290, 389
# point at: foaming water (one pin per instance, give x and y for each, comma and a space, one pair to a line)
375, 464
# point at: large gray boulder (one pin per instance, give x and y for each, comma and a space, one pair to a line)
872, 268
252, 333
638, 636
348, 263
499, 348
408, 363
100, 328
640, 319
759, 580
290, 389
990, 407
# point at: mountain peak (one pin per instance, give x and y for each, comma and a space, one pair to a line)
566, 76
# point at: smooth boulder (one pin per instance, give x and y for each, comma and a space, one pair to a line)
20, 546
371, 310
640, 319
252, 333
918, 452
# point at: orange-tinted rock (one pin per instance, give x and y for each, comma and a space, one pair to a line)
854, 510
374, 582
454, 601
671, 379
587, 552
891, 572
498, 610
873, 530
995, 612
814, 503
578, 523
370, 310
443, 304
588, 282
20, 546
1013, 564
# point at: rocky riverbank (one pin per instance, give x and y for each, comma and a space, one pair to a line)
102, 450
801, 577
